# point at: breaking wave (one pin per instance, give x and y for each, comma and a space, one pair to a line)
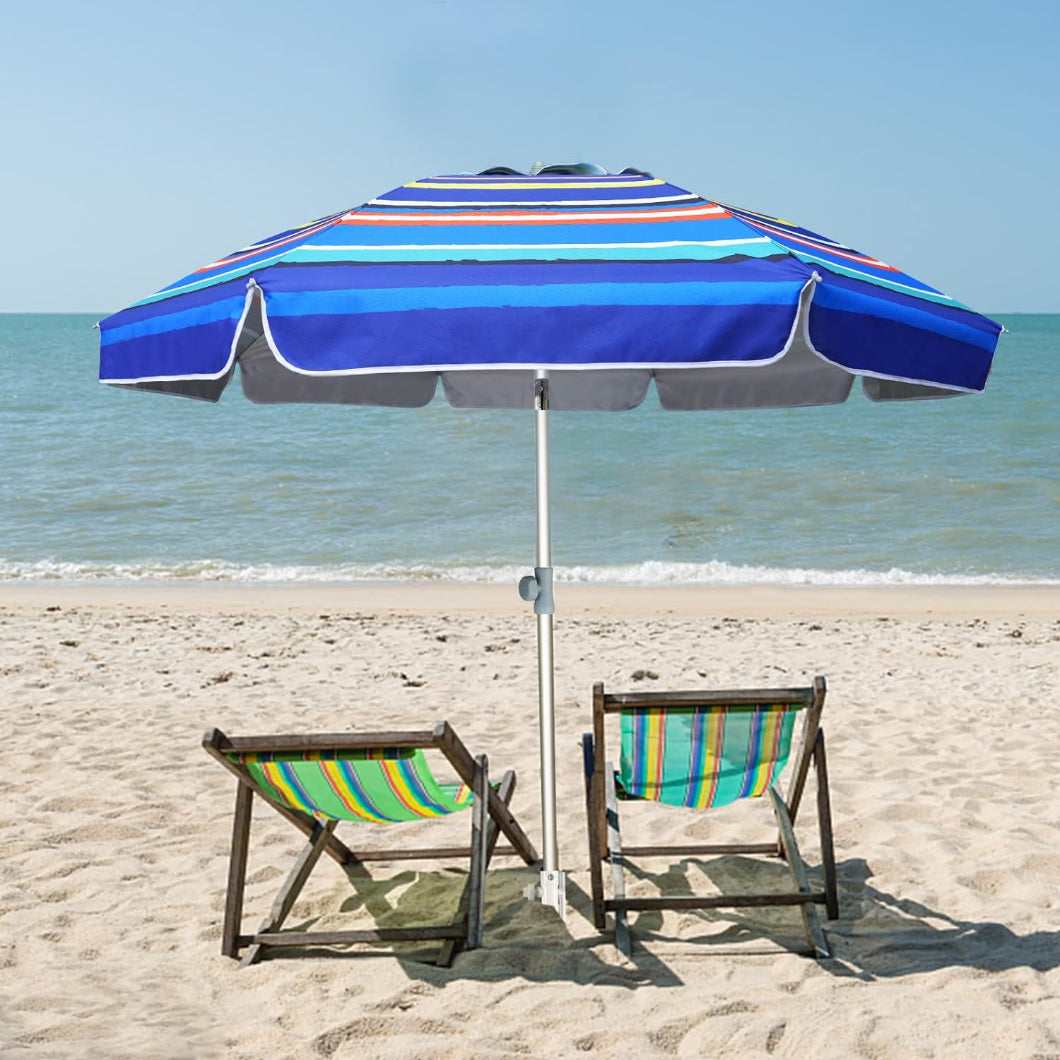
651, 572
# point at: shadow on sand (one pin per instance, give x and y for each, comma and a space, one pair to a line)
877, 935
523, 940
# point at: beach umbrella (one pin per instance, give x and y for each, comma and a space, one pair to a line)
567, 287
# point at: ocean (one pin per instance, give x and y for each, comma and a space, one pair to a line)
105, 485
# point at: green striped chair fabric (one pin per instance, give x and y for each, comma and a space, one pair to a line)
381, 786
704, 757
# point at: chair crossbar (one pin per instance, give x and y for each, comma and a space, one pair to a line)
747, 699
341, 741
723, 901
701, 848
289, 939
430, 854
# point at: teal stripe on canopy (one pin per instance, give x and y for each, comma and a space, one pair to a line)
388, 300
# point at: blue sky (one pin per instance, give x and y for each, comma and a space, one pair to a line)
141, 140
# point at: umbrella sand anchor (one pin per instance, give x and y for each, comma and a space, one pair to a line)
537, 587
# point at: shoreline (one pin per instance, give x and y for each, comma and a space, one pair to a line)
752, 601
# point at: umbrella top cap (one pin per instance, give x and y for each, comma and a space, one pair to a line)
562, 169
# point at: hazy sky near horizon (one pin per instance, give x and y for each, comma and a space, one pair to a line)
142, 140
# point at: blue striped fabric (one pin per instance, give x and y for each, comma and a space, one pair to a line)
550, 270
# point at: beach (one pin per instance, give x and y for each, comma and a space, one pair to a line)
278, 449
942, 724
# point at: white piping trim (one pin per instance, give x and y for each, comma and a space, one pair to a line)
252, 287
529, 366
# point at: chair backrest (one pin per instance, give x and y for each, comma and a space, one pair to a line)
380, 777
382, 785
704, 757
708, 749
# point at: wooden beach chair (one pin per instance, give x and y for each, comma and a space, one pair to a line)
706, 750
315, 781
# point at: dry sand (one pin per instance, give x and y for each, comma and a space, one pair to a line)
943, 721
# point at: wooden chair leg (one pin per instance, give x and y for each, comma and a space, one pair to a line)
491, 832
593, 815
292, 887
237, 871
618, 882
461, 760
824, 819
810, 919
477, 871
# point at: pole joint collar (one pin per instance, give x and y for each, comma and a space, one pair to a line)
536, 588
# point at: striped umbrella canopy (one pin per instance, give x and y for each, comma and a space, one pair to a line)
565, 288
607, 280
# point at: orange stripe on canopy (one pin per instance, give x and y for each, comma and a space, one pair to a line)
576, 216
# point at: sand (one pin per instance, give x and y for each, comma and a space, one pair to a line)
943, 727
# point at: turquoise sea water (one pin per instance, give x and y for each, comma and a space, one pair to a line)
105, 484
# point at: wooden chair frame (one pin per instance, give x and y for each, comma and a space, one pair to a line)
605, 842
490, 815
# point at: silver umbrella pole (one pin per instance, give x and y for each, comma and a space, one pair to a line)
537, 587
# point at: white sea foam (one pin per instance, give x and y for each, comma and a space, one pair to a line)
648, 573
